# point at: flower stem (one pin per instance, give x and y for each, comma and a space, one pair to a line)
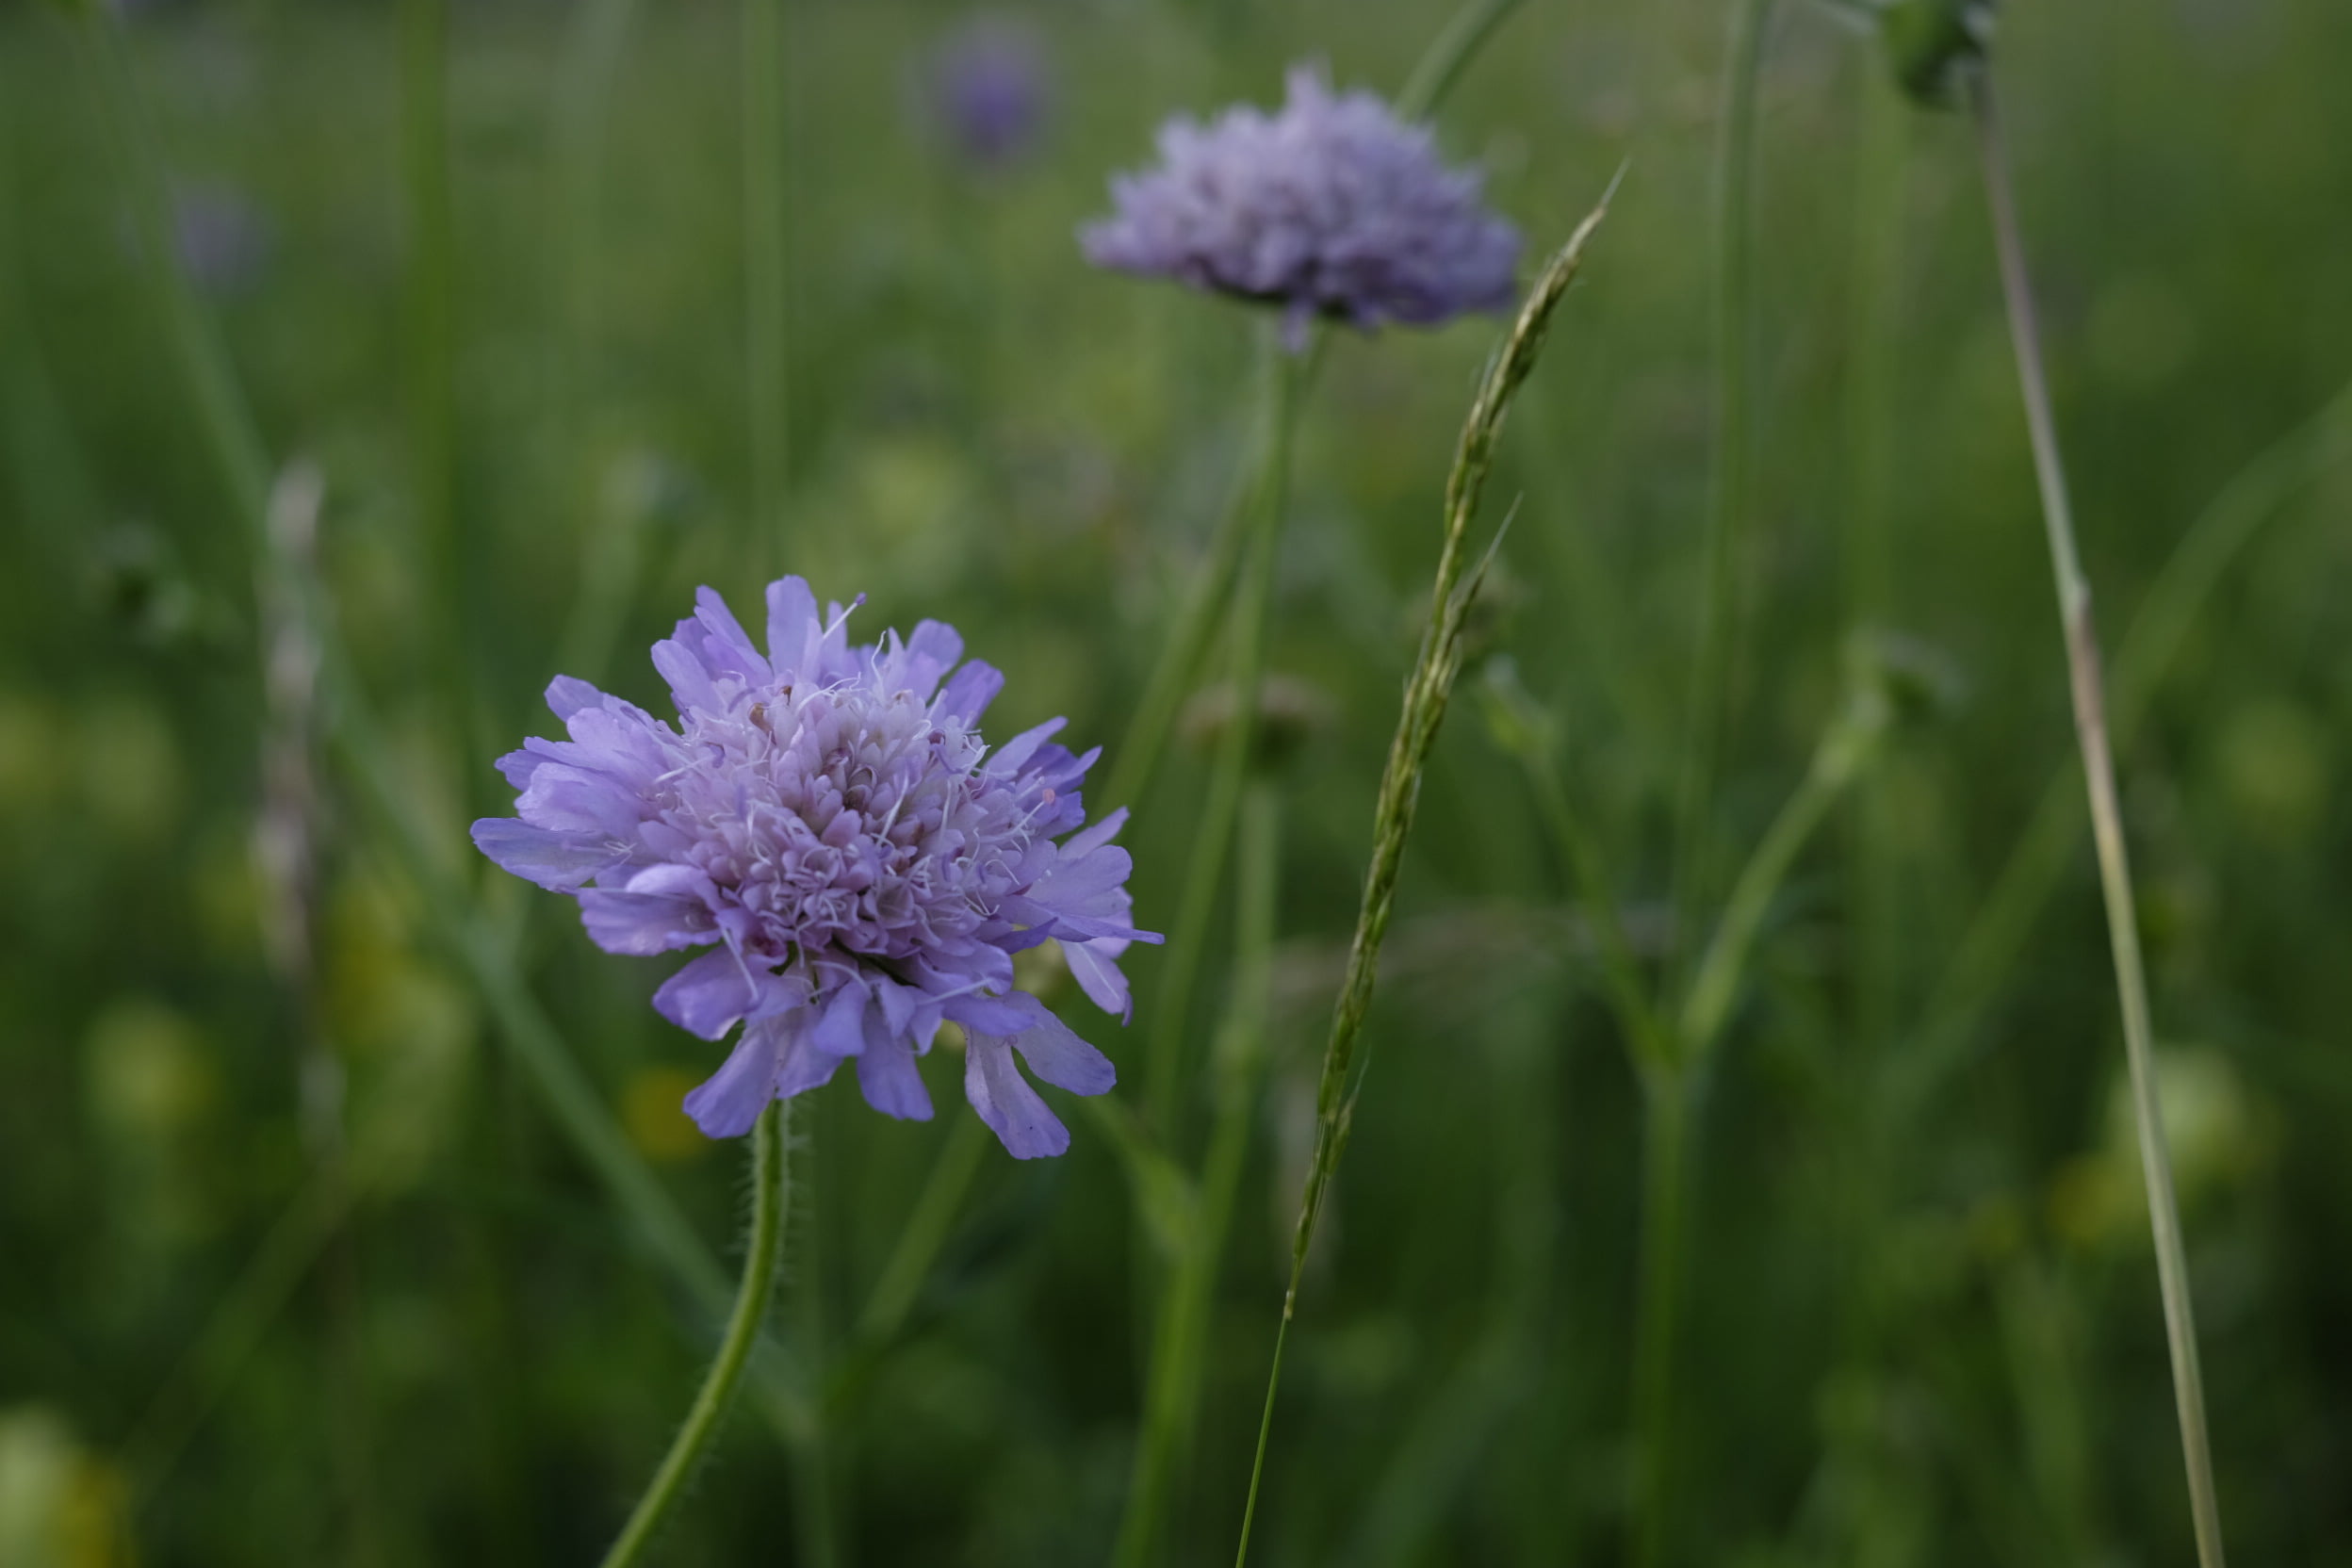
1187, 643
1433, 76
1729, 507
1848, 746
1435, 72
1647, 1040
1180, 1338
2099, 775
1427, 690
770, 1184
1670, 1090
1874, 339
1252, 607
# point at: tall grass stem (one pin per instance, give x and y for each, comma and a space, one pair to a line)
1846, 748
770, 1194
899, 1284
1252, 609
1449, 55
1731, 503
764, 86
222, 418
2115, 870
445, 587
1867, 539
1206, 597
473, 941
2214, 540
1672, 1091
1427, 690
1667, 1110
1528, 734
1180, 1338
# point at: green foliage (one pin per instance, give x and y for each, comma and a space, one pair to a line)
1919, 1324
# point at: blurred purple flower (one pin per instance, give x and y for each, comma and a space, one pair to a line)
1332, 207
989, 90
220, 240
827, 821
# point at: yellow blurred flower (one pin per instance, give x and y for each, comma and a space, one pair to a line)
60, 1506
655, 1119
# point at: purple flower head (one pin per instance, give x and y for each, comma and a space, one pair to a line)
222, 241
1333, 208
989, 90
827, 822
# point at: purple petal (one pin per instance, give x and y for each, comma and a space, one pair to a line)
730, 1100
1080, 845
888, 1075
1056, 1055
627, 743
987, 1014
839, 1033
557, 862
969, 691
792, 626
728, 643
807, 1065
1090, 888
567, 695
675, 881
689, 677
1100, 977
931, 652
897, 1003
1006, 1102
1013, 752
707, 996
572, 800
643, 924
833, 658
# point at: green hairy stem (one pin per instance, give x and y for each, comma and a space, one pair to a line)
770, 1186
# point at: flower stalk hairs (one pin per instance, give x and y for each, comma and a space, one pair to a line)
826, 822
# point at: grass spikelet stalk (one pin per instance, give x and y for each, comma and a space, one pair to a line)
765, 117
1730, 503
1427, 692
2099, 778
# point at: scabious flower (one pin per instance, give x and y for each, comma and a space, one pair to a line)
988, 91
1333, 208
220, 239
826, 821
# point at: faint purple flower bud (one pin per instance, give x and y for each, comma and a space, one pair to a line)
1332, 207
860, 867
989, 90
220, 240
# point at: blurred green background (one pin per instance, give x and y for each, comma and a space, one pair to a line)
295, 1267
